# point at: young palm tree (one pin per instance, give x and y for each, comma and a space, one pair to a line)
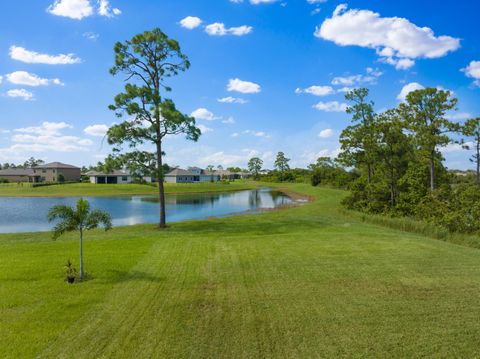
78, 219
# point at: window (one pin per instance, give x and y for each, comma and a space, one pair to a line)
124, 178
44, 171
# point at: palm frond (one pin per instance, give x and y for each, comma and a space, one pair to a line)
98, 217
60, 212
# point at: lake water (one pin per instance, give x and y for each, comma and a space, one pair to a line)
29, 214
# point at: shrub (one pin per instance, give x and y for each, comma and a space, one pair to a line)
70, 272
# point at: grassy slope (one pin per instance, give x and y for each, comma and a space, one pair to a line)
88, 189
302, 282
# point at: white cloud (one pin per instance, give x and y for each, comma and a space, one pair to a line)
96, 130
327, 133
243, 86
32, 57
473, 71
351, 80
332, 106
27, 79
457, 116
91, 35
204, 114
256, 133
47, 137
219, 29
257, 2
455, 147
204, 128
47, 128
231, 99
316, 90
412, 86
79, 9
396, 40
21, 93
74, 9
104, 9
312, 2
1, 79
229, 121
191, 22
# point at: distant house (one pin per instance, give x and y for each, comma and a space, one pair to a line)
115, 177
50, 172
17, 175
198, 175
192, 175
56, 172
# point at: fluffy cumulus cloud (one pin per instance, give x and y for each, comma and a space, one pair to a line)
74, 9
45, 138
79, 9
104, 9
191, 22
230, 99
327, 133
412, 86
33, 57
396, 40
204, 114
28, 79
332, 106
96, 130
219, 29
473, 71
316, 90
20, 93
247, 87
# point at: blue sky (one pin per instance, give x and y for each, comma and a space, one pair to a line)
266, 75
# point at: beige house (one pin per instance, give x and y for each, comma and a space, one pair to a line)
50, 172
15, 175
56, 172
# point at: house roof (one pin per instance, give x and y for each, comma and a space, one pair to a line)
116, 173
16, 172
179, 172
56, 165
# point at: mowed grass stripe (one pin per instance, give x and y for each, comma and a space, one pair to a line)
302, 282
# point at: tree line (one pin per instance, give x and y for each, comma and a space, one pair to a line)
392, 161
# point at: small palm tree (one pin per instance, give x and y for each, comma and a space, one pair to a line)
78, 219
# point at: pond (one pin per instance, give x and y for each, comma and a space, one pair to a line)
29, 214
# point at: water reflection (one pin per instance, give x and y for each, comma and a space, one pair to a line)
29, 214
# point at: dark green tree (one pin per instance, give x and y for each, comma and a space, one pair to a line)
147, 60
80, 219
423, 114
281, 165
359, 140
255, 166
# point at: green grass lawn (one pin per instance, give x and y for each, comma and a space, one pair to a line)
306, 282
88, 189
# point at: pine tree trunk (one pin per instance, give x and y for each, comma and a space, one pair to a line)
369, 174
81, 254
161, 187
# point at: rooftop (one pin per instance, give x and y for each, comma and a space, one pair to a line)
57, 165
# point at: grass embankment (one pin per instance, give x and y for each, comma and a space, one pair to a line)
88, 189
302, 282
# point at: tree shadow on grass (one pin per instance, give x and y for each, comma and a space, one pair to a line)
118, 276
